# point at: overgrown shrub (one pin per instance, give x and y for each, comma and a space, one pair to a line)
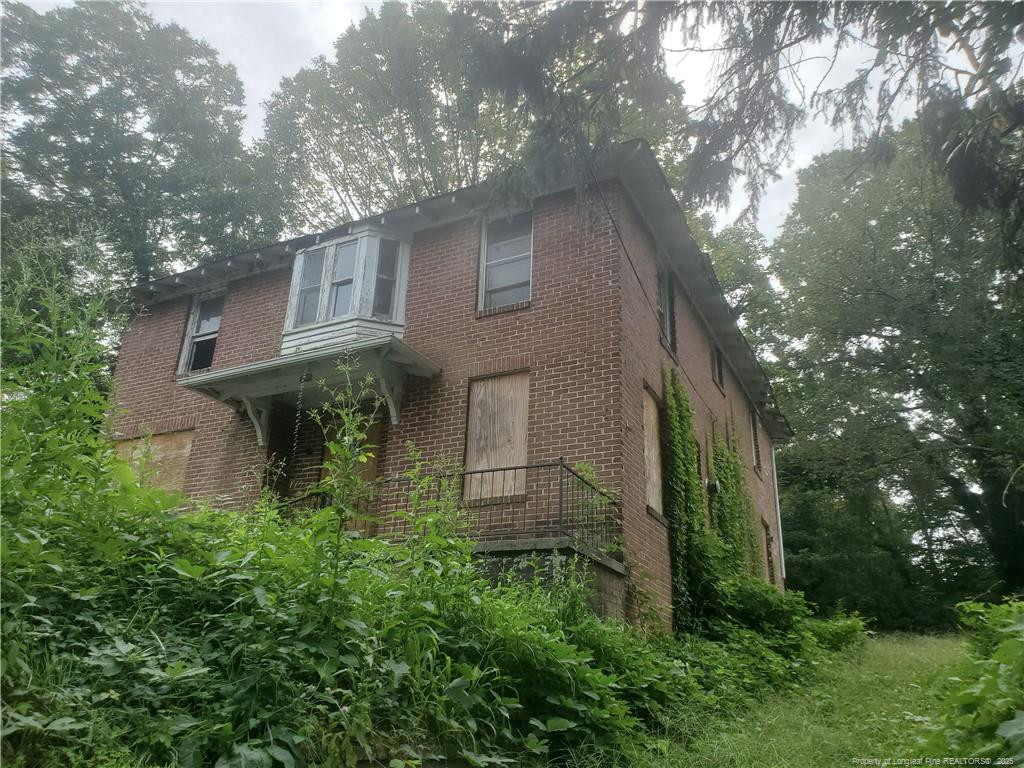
984, 624
135, 634
838, 632
715, 561
987, 717
779, 617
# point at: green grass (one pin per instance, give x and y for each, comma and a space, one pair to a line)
863, 705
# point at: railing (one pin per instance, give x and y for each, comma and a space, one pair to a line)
547, 501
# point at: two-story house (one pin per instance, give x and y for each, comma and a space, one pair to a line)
520, 343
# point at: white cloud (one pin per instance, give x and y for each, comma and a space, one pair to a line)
266, 41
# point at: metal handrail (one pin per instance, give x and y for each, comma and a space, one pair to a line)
532, 508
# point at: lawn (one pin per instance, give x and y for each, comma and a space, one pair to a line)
863, 706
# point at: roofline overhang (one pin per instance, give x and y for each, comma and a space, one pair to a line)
652, 196
633, 163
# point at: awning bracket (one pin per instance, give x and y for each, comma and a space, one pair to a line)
259, 415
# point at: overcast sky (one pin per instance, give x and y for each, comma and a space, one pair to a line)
269, 40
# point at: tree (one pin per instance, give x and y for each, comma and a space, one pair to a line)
903, 336
956, 59
135, 126
398, 116
869, 523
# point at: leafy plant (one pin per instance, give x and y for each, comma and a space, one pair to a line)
693, 549
987, 717
135, 634
839, 632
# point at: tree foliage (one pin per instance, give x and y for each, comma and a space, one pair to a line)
392, 119
112, 118
903, 303
892, 322
399, 114
956, 59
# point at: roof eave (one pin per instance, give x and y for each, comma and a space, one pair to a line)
653, 198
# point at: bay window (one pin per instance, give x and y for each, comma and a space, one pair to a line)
343, 275
358, 277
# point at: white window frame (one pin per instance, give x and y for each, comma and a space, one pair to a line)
374, 275
293, 298
328, 283
185, 358
363, 280
482, 267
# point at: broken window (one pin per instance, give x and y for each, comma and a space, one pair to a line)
204, 326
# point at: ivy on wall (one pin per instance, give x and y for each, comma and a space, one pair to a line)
732, 514
710, 540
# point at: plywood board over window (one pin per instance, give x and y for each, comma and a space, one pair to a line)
161, 459
496, 436
376, 435
652, 452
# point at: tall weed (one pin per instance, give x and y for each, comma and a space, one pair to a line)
135, 634
987, 709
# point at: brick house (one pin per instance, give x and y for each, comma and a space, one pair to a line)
520, 344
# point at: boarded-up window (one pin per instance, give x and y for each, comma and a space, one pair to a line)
496, 436
161, 460
375, 441
652, 452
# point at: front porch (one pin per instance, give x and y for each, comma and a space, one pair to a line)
534, 507
548, 507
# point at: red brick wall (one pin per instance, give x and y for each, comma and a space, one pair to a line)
566, 338
226, 464
715, 408
588, 338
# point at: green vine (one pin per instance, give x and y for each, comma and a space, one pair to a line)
710, 542
732, 513
691, 548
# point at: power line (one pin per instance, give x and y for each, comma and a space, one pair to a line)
654, 310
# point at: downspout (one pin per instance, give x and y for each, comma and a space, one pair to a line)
778, 518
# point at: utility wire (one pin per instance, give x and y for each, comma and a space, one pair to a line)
654, 309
